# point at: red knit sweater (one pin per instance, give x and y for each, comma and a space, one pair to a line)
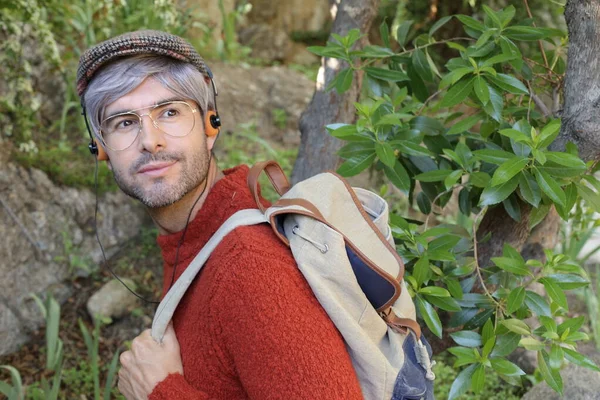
249, 326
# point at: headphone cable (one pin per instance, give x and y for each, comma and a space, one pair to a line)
179, 244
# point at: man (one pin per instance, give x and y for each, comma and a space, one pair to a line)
249, 327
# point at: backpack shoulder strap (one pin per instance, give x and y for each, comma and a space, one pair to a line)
169, 303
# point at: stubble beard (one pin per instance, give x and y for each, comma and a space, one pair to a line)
160, 193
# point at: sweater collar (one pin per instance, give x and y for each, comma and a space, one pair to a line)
229, 195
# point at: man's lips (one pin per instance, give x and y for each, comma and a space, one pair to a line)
156, 168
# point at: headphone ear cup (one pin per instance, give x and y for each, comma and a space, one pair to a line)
212, 124
102, 156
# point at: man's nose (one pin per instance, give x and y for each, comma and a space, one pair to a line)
152, 138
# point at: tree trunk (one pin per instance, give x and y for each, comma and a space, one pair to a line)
318, 149
580, 115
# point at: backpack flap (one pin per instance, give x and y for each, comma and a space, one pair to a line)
329, 199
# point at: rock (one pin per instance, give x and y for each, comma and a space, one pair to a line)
43, 226
113, 300
254, 95
270, 24
525, 359
579, 383
268, 43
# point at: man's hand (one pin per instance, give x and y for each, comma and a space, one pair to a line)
148, 363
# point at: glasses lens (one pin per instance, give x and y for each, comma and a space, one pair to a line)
120, 131
173, 118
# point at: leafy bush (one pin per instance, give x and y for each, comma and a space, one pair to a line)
469, 128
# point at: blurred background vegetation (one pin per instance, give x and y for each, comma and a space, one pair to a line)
40, 44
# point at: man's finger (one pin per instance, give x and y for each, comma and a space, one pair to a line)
125, 358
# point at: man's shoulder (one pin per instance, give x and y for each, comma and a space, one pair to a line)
255, 243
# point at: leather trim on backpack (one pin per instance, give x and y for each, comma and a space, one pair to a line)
372, 225
275, 175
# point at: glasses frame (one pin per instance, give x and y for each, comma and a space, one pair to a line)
154, 123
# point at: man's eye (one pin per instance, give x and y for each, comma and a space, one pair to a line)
171, 113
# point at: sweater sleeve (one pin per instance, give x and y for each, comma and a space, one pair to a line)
283, 344
175, 387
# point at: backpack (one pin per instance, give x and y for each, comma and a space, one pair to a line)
342, 244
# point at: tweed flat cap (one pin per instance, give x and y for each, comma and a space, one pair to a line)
133, 43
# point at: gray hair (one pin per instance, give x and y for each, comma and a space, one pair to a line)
124, 75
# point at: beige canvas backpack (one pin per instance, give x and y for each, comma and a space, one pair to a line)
342, 244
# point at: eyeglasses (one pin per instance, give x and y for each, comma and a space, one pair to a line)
175, 118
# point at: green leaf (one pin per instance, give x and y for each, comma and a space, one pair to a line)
342, 131
356, 165
478, 379
528, 33
495, 105
384, 33
421, 270
515, 299
437, 175
569, 281
495, 194
497, 59
509, 83
421, 66
428, 126
529, 189
517, 326
452, 178
386, 74
411, 148
531, 344
464, 124
515, 135
493, 156
334, 51
571, 196
482, 90
505, 367
464, 201
556, 356
492, 16
580, 359
552, 377
430, 316
343, 80
434, 291
511, 265
356, 148
561, 171
423, 203
555, 292
458, 92
591, 198
467, 338
537, 304
505, 345
444, 303
398, 176
471, 22
508, 170
402, 32
549, 133
550, 187
439, 23
462, 383
385, 153
454, 76
565, 159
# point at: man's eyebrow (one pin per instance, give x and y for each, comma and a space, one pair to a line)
122, 111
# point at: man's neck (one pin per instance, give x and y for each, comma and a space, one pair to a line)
173, 218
